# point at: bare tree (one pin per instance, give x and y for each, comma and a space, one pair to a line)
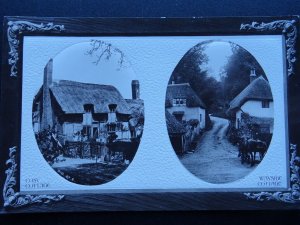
105, 51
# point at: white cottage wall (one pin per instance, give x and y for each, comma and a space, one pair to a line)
254, 108
190, 113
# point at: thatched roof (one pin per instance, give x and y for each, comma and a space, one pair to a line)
183, 91
72, 96
259, 89
135, 103
173, 125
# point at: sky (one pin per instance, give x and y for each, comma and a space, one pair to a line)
218, 53
74, 64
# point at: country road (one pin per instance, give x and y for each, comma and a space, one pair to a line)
215, 159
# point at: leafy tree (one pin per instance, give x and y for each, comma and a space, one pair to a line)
237, 71
216, 95
137, 117
189, 71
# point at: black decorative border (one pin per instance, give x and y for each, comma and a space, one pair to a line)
289, 30
11, 197
17, 27
14, 199
293, 194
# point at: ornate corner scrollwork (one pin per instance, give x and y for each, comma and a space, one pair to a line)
293, 194
289, 29
17, 27
11, 197
14, 199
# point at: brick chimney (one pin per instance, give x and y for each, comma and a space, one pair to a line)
47, 119
135, 87
252, 75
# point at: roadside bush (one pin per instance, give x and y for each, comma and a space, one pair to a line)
249, 130
48, 145
233, 135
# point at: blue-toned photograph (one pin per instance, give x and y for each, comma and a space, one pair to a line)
87, 123
219, 111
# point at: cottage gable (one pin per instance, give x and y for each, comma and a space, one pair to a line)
258, 89
186, 93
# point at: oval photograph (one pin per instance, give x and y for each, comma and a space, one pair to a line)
87, 116
219, 111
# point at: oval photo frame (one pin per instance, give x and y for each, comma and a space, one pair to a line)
88, 117
219, 111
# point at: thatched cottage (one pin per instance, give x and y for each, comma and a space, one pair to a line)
184, 104
254, 103
78, 110
176, 133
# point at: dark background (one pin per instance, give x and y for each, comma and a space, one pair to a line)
154, 8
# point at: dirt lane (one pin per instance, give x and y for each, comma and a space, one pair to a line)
215, 159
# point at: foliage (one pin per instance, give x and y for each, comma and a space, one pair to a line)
236, 71
248, 130
137, 114
48, 146
233, 135
193, 122
137, 117
216, 95
111, 138
92, 173
191, 136
189, 71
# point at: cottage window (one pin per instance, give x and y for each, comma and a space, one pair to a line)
87, 131
179, 102
265, 104
119, 126
111, 127
174, 101
95, 132
88, 107
112, 107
